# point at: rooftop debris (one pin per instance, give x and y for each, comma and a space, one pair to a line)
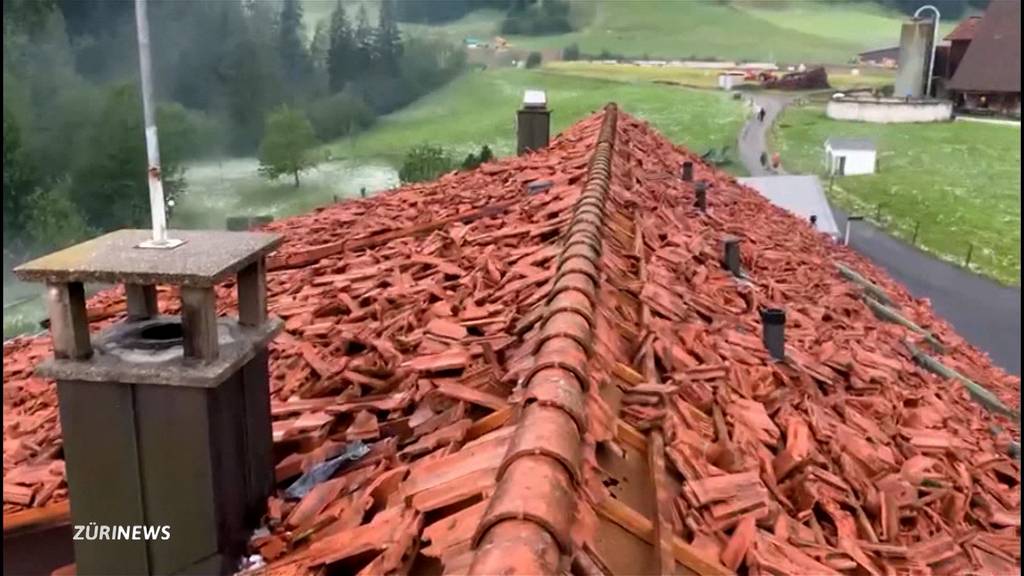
571, 378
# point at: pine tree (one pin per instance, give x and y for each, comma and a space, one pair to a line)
363, 43
320, 45
387, 40
341, 55
290, 44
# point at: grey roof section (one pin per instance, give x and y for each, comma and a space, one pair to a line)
850, 143
798, 194
890, 52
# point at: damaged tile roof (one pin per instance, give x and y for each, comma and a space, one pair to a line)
567, 379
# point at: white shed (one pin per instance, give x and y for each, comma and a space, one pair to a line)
849, 156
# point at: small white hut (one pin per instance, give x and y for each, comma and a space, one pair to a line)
850, 156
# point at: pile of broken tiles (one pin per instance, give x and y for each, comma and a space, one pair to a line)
414, 324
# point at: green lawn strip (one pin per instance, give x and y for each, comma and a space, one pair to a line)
960, 181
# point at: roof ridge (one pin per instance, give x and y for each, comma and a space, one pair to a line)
526, 527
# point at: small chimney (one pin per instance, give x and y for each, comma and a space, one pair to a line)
773, 332
533, 122
687, 171
731, 256
814, 220
702, 196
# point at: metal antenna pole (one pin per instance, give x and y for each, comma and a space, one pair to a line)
156, 185
935, 42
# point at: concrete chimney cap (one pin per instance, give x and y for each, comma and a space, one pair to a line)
535, 99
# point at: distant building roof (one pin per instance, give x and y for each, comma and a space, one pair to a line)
965, 30
880, 53
992, 61
850, 144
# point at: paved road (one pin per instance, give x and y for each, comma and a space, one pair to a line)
752, 138
983, 311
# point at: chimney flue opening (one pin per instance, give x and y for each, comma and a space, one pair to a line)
773, 332
702, 196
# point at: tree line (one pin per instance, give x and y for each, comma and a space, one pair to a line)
74, 151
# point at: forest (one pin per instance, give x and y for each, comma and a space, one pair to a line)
74, 151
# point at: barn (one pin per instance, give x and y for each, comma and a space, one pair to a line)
987, 78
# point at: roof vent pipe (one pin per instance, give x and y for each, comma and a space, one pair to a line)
731, 256
773, 332
687, 171
702, 196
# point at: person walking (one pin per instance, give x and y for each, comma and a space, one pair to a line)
760, 115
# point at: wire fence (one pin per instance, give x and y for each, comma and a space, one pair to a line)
909, 230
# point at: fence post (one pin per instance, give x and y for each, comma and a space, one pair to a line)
970, 251
851, 218
878, 214
917, 228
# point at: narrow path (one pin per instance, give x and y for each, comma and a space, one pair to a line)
752, 140
983, 311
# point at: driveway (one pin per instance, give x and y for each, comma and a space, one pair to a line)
983, 311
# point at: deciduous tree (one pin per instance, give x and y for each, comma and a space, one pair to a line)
287, 140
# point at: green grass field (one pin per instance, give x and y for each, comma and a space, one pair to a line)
479, 108
627, 72
960, 180
793, 31
475, 109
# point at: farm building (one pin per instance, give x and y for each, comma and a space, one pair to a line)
625, 372
987, 76
884, 57
959, 39
850, 156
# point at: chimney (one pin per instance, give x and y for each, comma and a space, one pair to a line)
702, 196
687, 171
731, 256
773, 332
166, 419
533, 122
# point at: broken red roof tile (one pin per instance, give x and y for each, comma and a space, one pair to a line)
451, 359
509, 356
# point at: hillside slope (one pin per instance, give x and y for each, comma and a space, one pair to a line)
808, 31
